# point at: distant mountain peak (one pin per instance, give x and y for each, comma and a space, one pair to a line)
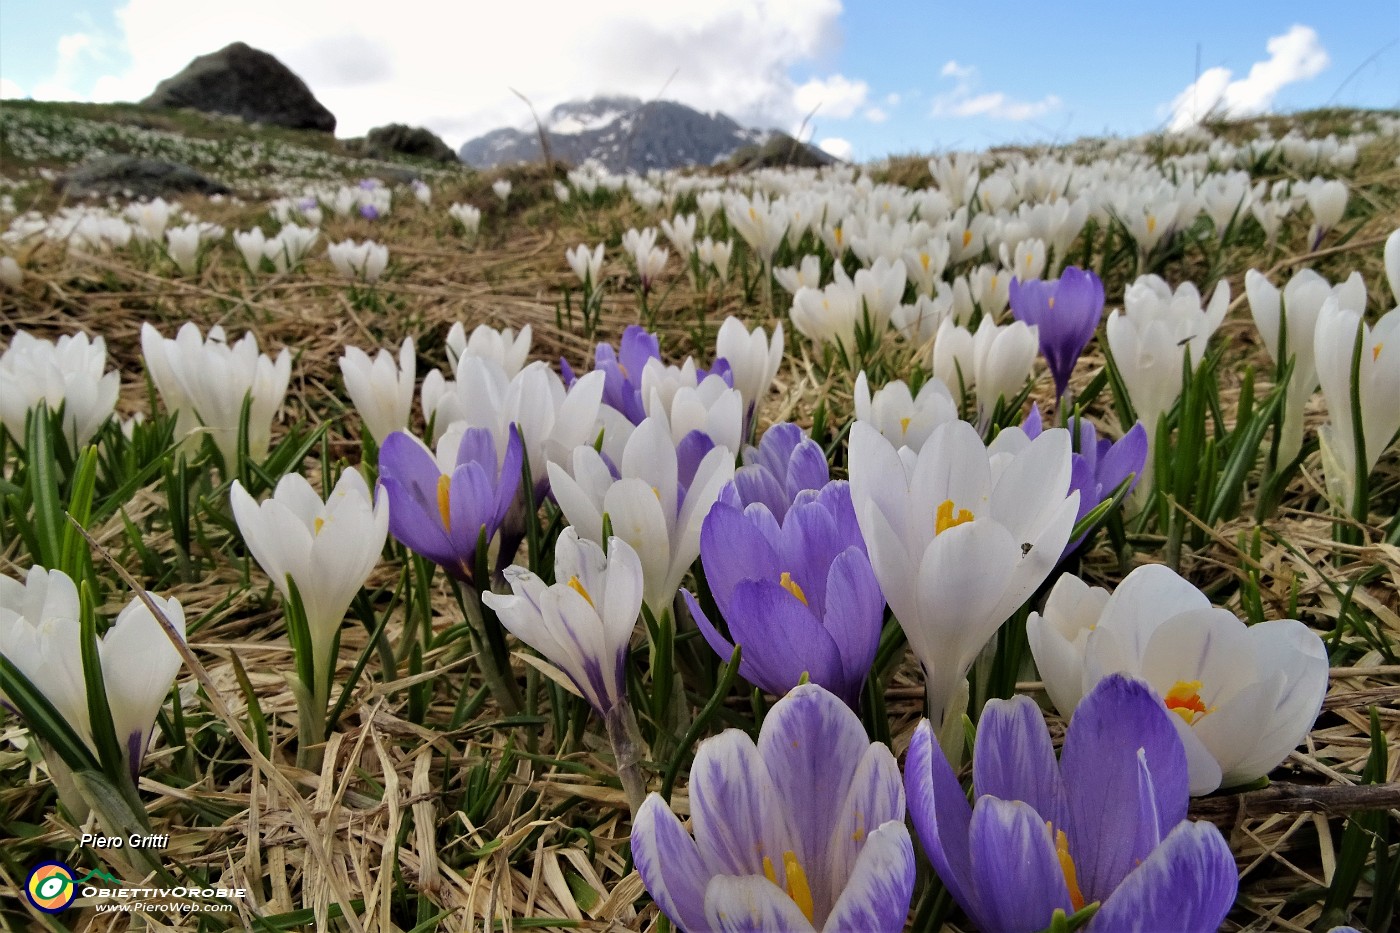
623, 133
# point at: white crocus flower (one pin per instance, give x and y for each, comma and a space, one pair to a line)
39, 634
327, 548
363, 261
212, 379
583, 623
996, 361
1378, 386
509, 349
807, 274
1148, 340
905, 420
753, 359
928, 517
380, 389
587, 265
920, 321
646, 506
551, 419
11, 275
1297, 312
67, 374
707, 405
501, 187
716, 254
182, 244
880, 289
828, 315
1328, 202
468, 216
1244, 695
290, 246
252, 246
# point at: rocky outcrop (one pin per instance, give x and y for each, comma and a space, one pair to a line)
779, 150
131, 177
620, 132
397, 139
244, 82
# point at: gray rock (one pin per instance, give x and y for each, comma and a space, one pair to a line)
247, 83
129, 176
398, 139
779, 151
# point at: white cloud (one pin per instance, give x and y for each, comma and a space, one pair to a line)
836, 97
73, 52
1297, 55
9, 90
451, 67
965, 101
876, 114
836, 146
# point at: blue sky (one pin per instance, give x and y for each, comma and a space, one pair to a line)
898, 76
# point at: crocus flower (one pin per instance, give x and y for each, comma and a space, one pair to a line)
468, 216
1244, 696
784, 464
501, 187
381, 390
1377, 386
327, 548
995, 361
929, 517
798, 593
583, 623
656, 502
587, 264
904, 419
39, 634
1106, 824
364, 262
1099, 465
509, 348
1291, 318
1066, 313
802, 832
439, 505
211, 379
753, 359
67, 374
182, 245
11, 275
622, 368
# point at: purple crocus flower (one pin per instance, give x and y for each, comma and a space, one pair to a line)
785, 462
438, 505
803, 831
800, 597
369, 212
1066, 312
1097, 465
1106, 824
622, 368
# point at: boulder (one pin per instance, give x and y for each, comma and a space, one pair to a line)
132, 177
244, 82
398, 139
779, 151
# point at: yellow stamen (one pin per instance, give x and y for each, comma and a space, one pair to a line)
797, 888
317, 525
656, 492
1052, 302
580, 589
924, 260
904, 425
1151, 222
789, 584
945, 519
1076, 897
1184, 699
859, 834
445, 502
967, 238
1376, 352
768, 871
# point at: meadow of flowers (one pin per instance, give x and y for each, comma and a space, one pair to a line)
1000, 541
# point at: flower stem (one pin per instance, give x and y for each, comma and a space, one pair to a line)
627, 747
502, 688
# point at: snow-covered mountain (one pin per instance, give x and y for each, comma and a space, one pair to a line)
620, 132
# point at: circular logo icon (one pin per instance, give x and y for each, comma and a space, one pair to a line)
50, 887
